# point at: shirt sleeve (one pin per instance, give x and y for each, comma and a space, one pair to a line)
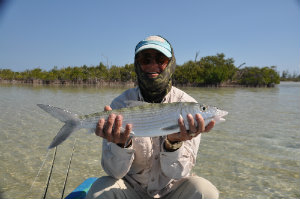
178, 164
116, 161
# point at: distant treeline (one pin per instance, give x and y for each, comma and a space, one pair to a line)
286, 76
208, 71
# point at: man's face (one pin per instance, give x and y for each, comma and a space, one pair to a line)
152, 62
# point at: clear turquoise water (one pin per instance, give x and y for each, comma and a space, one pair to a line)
254, 154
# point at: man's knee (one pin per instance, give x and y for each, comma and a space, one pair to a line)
102, 187
202, 186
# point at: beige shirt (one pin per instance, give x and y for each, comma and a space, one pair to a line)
146, 165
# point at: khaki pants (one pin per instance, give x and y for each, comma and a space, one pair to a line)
193, 187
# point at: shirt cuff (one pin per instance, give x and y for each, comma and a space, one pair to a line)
115, 149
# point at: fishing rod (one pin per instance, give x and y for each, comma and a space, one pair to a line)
65, 183
45, 158
50, 174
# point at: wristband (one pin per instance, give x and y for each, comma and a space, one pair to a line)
126, 145
172, 146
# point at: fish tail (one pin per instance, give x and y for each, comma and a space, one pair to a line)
72, 123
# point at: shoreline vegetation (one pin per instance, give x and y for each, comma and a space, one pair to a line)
209, 71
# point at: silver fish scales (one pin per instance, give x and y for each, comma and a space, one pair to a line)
148, 120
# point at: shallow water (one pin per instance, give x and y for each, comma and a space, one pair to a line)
254, 154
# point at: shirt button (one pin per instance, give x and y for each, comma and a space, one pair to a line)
152, 179
156, 157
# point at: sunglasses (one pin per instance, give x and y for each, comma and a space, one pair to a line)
149, 58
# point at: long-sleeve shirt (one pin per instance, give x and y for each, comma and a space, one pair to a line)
146, 165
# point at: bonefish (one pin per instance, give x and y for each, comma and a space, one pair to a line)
147, 119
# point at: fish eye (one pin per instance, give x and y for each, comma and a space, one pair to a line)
203, 107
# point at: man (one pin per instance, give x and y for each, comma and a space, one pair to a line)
158, 167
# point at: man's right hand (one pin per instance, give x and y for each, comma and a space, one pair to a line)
111, 129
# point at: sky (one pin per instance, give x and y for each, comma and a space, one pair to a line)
44, 34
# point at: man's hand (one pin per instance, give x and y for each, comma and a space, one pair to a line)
111, 129
194, 128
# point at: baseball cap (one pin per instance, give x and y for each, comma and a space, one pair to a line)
155, 42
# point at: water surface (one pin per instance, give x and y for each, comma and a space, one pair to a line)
254, 154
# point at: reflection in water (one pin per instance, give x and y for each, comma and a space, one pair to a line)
254, 154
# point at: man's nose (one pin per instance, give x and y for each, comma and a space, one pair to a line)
153, 65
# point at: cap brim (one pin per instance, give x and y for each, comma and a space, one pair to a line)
155, 47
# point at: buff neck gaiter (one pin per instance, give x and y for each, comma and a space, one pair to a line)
154, 90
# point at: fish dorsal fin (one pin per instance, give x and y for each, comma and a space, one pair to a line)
133, 103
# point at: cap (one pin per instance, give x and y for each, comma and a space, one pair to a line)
155, 42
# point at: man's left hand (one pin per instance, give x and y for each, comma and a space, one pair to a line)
195, 128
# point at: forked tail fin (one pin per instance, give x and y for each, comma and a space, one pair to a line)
72, 123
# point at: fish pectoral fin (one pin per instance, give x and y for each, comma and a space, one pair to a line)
172, 127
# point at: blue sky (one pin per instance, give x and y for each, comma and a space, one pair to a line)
45, 34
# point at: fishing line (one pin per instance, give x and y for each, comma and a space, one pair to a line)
50, 174
65, 183
46, 156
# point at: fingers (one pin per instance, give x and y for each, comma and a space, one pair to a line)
183, 135
117, 130
111, 128
107, 108
99, 127
181, 124
195, 128
200, 123
191, 122
125, 135
108, 127
209, 126
127, 131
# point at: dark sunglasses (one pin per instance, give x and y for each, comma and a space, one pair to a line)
148, 58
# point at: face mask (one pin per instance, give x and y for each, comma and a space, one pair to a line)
155, 89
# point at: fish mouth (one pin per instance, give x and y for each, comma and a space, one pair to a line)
219, 117
224, 113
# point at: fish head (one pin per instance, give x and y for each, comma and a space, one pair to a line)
212, 112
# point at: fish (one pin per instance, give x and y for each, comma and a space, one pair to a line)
147, 119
